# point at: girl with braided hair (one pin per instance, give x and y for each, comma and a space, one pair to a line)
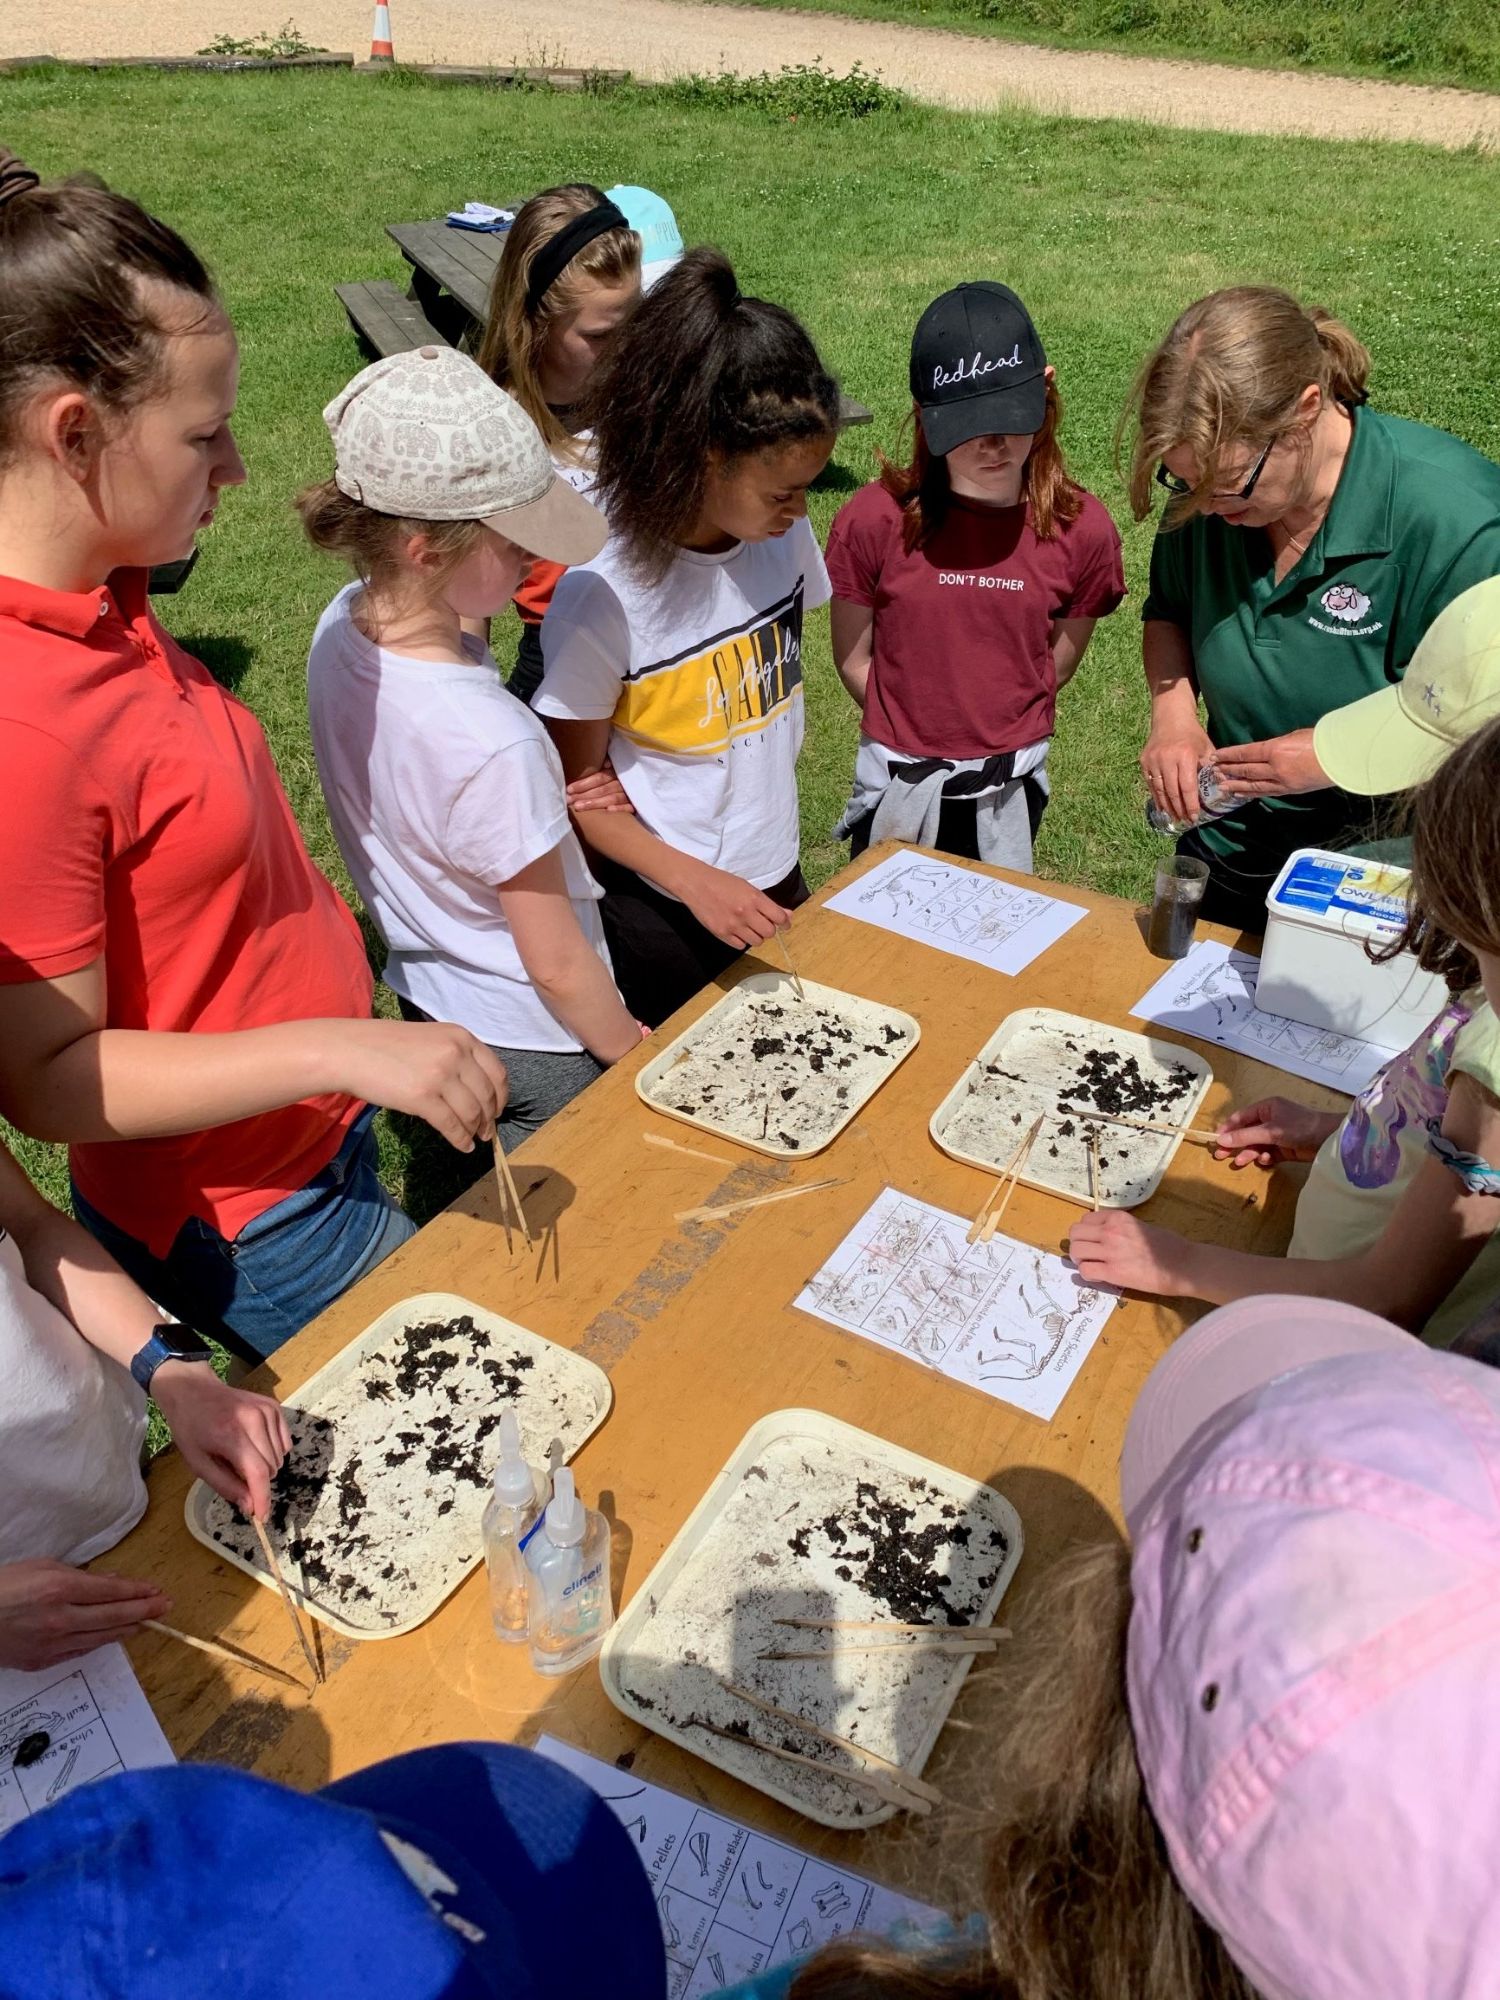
677, 653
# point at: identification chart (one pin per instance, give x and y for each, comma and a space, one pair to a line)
69, 1724
973, 916
1211, 994
1016, 1322
733, 1902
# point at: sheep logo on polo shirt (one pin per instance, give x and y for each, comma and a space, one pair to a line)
1343, 601
1349, 605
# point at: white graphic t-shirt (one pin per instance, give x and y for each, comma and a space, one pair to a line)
441, 786
701, 676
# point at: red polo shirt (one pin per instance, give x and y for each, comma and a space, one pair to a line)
961, 660
142, 818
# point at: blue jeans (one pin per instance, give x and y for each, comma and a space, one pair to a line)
284, 1267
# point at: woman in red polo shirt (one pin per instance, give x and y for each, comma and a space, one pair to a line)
183, 997
966, 586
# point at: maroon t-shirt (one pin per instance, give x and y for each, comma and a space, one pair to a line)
960, 663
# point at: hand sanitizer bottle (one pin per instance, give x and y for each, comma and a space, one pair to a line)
570, 1604
510, 1514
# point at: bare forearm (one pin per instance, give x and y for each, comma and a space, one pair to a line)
854, 672
123, 1083
1220, 1276
581, 994
620, 837
1168, 660
79, 1277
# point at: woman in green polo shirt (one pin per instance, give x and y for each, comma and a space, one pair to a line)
1308, 543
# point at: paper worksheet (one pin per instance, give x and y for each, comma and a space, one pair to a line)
95, 1721
1016, 1322
973, 916
1211, 994
732, 1901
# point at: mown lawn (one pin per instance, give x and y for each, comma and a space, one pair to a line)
285, 183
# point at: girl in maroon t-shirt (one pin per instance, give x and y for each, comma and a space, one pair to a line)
965, 590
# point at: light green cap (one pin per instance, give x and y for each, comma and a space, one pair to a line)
1396, 738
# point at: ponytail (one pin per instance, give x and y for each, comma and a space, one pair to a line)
1348, 357
76, 261
697, 371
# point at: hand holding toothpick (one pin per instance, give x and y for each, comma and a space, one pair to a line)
506, 1181
786, 952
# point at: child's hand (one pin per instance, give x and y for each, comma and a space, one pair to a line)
1113, 1248
50, 1611
1273, 1132
230, 1438
733, 910
599, 791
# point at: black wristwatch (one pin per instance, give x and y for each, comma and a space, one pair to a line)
168, 1342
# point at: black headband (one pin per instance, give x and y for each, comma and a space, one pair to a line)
558, 252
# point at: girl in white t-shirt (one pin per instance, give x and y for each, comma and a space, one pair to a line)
569, 273
677, 653
445, 794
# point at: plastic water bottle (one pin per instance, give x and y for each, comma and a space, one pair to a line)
510, 1513
1214, 803
569, 1596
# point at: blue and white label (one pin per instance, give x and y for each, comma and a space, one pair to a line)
1320, 884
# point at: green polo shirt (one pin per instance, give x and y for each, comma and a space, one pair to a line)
1414, 521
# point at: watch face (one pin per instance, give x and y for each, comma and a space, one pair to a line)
182, 1341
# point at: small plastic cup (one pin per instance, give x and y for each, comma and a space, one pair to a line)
1180, 883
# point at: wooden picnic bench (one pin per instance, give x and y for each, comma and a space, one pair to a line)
448, 298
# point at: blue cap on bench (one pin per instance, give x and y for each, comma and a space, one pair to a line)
655, 224
468, 1871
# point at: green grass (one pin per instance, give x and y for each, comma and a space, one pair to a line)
1410, 41
286, 182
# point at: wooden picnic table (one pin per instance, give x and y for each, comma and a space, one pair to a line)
452, 271
694, 1325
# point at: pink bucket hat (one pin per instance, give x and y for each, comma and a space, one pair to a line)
1313, 1662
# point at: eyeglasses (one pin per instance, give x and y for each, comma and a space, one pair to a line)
1178, 487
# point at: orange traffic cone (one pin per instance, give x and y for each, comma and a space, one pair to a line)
380, 40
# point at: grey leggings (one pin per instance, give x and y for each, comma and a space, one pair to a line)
542, 1081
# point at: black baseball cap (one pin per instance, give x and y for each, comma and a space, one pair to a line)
977, 367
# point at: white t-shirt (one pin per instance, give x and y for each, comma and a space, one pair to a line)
72, 1424
440, 787
701, 675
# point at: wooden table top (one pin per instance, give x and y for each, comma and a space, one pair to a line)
695, 1327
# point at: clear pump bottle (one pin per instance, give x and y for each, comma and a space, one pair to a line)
570, 1603
511, 1512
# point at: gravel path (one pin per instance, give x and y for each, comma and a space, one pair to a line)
660, 38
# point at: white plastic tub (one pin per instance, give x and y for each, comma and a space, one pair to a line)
1323, 912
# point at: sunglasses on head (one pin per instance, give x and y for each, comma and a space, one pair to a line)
1177, 487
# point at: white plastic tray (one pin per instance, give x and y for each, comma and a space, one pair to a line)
1135, 1162
563, 1396
868, 1016
709, 1607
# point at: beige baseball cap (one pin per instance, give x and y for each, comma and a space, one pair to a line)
427, 436
1397, 737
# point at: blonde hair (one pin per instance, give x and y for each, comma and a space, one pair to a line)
1230, 373
514, 339
1077, 1894
372, 544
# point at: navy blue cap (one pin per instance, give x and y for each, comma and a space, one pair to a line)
468, 1871
978, 368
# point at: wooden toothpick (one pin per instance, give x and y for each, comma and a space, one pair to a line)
896, 1625
871, 1759
1192, 1135
985, 1223
872, 1781
692, 1152
755, 1201
786, 952
286, 1597
507, 1184
230, 1653
1095, 1197
897, 1648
